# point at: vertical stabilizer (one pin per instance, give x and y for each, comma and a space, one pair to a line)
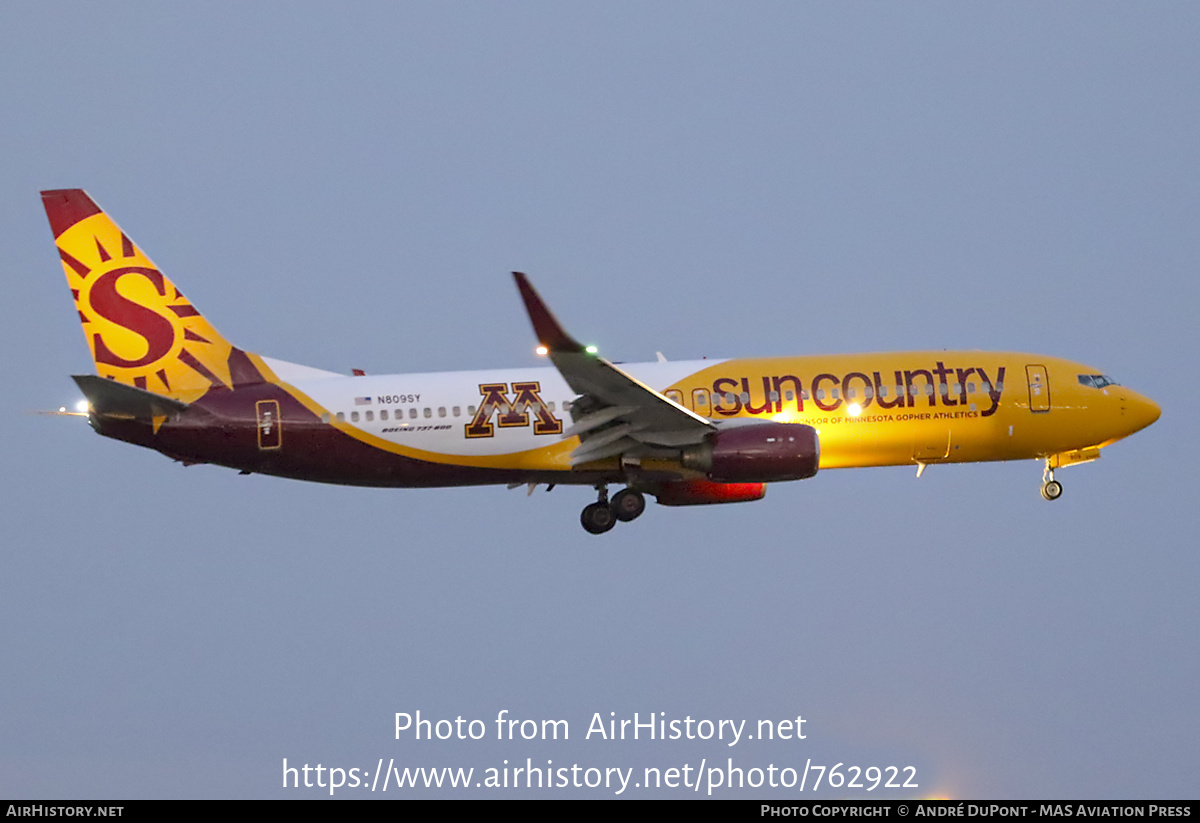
141, 329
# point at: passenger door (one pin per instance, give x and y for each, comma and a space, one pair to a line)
1039, 388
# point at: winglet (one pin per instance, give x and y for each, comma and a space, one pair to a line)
550, 333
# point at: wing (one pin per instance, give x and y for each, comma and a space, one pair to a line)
616, 414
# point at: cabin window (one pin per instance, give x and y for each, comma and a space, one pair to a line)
353, 417
471, 410
820, 394
341, 417
883, 391
868, 392
441, 411
833, 393
674, 395
773, 397
850, 395
383, 414
412, 414
428, 412
458, 411
744, 397
970, 388
326, 417
789, 395
370, 416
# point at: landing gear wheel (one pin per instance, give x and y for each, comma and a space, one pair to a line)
597, 518
1052, 490
627, 505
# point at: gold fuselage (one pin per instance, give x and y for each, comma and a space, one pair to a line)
896, 408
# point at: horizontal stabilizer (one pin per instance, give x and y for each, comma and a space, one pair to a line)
112, 399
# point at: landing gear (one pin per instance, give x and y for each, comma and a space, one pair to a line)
627, 505
599, 517
1051, 488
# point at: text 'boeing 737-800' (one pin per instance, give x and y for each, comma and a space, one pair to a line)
686, 432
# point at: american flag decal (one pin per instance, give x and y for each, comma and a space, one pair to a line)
362, 401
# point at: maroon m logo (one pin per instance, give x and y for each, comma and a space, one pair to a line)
512, 411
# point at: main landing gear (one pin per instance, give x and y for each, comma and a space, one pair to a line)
1051, 488
599, 517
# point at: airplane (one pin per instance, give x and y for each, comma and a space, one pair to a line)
684, 432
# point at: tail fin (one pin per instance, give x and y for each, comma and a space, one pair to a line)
142, 331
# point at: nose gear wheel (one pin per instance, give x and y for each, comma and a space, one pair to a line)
1051, 488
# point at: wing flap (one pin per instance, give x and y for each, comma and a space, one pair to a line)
587, 453
595, 420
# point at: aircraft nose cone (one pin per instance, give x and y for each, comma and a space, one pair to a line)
1141, 411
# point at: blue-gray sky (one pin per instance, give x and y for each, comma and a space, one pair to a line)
349, 188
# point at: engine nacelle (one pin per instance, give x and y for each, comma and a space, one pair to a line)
704, 492
757, 453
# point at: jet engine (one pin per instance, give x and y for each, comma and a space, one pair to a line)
757, 452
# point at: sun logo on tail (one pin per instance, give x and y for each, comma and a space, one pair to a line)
142, 331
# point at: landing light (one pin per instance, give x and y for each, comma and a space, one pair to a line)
542, 350
591, 350
854, 409
81, 406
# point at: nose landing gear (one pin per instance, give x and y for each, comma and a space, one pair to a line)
601, 516
1051, 488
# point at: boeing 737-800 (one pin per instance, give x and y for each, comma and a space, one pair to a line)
685, 432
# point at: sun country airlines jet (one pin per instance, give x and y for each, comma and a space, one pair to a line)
687, 432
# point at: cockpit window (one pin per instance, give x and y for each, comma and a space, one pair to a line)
1097, 381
